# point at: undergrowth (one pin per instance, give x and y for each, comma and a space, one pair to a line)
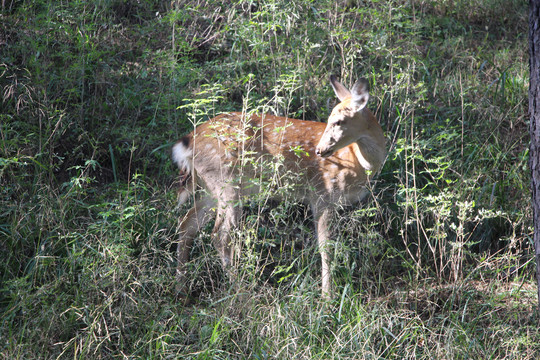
437, 264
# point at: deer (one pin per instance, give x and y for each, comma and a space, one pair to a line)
333, 167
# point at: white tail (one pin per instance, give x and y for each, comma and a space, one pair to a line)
332, 162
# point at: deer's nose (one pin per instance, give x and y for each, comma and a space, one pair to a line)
321, 153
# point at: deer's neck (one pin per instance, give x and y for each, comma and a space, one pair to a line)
370, 152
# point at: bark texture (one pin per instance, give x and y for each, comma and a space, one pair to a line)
534, 112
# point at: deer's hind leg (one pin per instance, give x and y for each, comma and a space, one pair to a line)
195, 219
227, 218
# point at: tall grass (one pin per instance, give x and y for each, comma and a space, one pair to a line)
437, 264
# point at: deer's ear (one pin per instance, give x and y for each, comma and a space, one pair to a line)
360, 94
341, 91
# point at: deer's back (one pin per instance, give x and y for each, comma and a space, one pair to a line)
254, 154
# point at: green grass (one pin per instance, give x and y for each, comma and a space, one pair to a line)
437, 265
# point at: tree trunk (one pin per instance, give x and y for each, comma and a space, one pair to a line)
534, 111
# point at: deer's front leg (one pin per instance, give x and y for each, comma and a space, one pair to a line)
322, 223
